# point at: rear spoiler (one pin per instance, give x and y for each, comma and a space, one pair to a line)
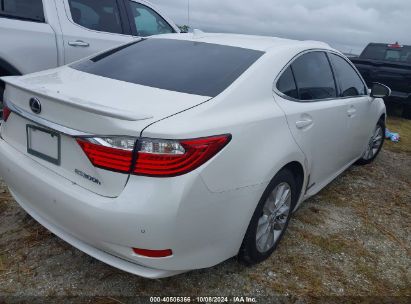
82, 104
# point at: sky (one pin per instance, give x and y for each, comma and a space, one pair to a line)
347, 25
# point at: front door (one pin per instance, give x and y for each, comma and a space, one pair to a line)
359, 105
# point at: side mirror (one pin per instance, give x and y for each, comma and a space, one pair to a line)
379, 90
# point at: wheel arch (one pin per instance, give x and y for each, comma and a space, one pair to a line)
297, 169
7, 69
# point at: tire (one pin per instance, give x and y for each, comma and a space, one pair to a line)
406, 112
253, 250
374, 146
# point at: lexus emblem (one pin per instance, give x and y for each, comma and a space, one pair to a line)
35, 105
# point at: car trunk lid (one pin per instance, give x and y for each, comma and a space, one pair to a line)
74, 103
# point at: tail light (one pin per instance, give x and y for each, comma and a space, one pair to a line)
164, 158
114, 154
6, 112
152, 157
395, 46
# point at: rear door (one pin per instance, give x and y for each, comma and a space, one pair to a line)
28, 42
91, 26
316, 117
359, 105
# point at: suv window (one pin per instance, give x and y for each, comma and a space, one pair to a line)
147, 21
30, 10
314, 77
350, 83
101, 15
286, 84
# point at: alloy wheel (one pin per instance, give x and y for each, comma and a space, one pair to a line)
374, 143
274, 218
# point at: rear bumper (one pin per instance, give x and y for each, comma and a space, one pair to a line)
202, 228
94, 252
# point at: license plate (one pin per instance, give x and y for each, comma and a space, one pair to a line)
44, 144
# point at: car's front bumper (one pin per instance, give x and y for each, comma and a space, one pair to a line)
202, 228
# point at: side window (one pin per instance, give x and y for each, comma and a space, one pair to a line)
314, 77
30, 10
147, 21
286, 84
101, 15
350, 83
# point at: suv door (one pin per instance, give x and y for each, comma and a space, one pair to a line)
92, 26
307, 93
359, 105
28, 40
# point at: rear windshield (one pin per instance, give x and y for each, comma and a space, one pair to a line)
386, 52
183, 66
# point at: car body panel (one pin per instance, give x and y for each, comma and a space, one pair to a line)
28, 49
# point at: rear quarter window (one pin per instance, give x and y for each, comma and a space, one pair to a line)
184, 66
28, 10
286, 84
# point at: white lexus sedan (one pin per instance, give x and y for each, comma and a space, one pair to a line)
177, 152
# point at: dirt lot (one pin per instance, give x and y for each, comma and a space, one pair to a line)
352, 239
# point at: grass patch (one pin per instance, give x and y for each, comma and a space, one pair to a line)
335, 244
403, 127
2, 263
3, 206
312, 216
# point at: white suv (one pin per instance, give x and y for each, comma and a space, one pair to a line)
37, 35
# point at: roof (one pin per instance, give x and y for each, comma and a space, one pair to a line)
259, 43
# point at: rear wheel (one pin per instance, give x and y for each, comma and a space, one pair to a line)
270, 219
374, 145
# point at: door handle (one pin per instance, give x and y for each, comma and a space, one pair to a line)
304, 123
79, 43
351, 112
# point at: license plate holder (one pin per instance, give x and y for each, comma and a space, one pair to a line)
44, 144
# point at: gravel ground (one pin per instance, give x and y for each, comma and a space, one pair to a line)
352, 239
